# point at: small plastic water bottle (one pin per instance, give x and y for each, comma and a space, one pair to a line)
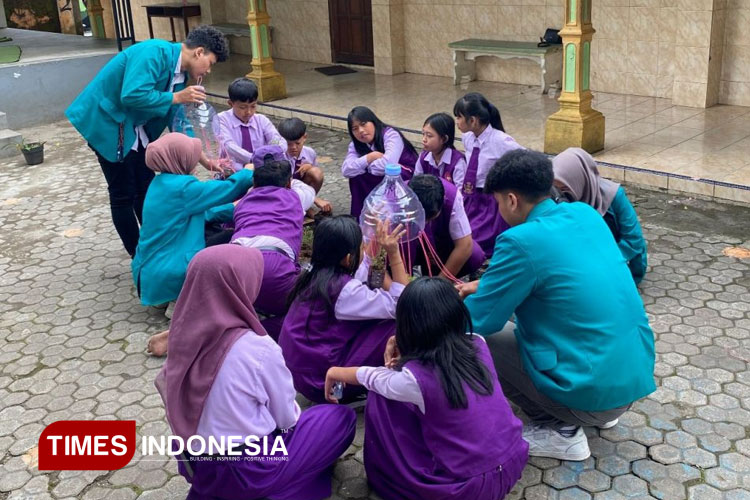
338, 390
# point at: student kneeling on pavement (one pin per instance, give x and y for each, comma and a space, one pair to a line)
581, 350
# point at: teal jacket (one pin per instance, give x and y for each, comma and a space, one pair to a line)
629, 234
132, 89
175, 211
581, 328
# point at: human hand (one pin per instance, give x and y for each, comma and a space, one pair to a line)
375, 155
466, 289
193, 94
303, 169
324, 205
389, 239
391, 355
331, 380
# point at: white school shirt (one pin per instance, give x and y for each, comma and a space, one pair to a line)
307, 197
253, 393
395, 385
357, 302
140, 132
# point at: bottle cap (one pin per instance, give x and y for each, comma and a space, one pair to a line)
392, 169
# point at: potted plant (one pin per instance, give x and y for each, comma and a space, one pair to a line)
33, 152
376, 273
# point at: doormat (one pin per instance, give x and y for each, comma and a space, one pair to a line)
10, 54
335, 70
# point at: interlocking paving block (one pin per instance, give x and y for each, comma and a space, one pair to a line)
630, 485
74, 335
703, 492
665, 453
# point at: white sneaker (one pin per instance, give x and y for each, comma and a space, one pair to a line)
547, 442
610, 424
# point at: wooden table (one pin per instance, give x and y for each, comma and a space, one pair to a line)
172, 10
465, 53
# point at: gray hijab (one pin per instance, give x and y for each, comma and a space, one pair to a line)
576, 170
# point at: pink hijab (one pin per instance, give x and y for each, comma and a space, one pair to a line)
173, 153
214, 309
576, 169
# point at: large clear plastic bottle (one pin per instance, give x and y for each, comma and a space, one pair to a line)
392, 200
201, 121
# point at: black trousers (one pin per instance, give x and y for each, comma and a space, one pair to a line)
127, 182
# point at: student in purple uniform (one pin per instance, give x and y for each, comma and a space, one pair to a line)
303, 158
270, 218
374, 145
225, 377
242, 129
485, 141
436, 422
439, 156
447, 228
334, 318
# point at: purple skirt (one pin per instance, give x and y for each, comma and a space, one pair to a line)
321, 436
485, 220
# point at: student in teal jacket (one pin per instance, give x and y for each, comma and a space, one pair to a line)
129, 103
578, 179
175, 211
581, 350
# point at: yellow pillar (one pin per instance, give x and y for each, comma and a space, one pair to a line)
96, 18
271, 84
577, 123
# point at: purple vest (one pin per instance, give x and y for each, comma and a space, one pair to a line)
270, 211
313, 340
361, 185
427, 168
449, 442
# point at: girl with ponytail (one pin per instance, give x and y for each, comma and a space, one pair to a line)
485, 141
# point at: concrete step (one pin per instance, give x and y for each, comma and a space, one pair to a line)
8, 139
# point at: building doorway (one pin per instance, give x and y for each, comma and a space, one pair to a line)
351, 31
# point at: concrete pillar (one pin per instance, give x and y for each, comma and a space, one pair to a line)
388, 36
70, 17
577, 124
271, 84
698, 53
96, 18
3, 21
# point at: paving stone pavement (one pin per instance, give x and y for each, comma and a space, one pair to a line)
74, 336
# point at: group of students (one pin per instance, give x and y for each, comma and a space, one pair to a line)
436, 362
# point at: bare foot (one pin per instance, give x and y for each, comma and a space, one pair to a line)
157, 344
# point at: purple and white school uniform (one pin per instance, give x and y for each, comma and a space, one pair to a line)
363, 177
270, 218
313, 340
482, 153
418, 447
238, 140
253, 395
450, 225
306, 156
452, 166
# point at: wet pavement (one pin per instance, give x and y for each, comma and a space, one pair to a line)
74, 336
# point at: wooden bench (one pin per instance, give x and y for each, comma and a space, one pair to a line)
465, 53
